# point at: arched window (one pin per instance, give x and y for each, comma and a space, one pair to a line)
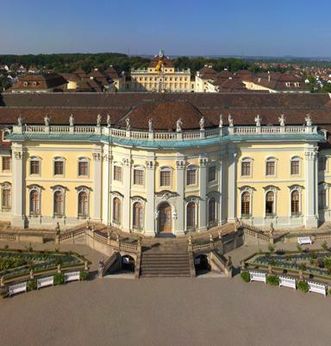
245, 204
117, 211
246, 167
191, 175
270, 166
6, 196
190, 215
165, 176
270, 203
35, 165
58, 203
322, 199
59, 166
295, 165
295, 203
138, 215
83, 204
212, 211
34, 202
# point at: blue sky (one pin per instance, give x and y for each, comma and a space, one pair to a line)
180, 27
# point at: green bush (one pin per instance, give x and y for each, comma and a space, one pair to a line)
32, 284
245, 276
324, 245
84, 275
273, 280
271, 248
299, 248
58, 279
303, 286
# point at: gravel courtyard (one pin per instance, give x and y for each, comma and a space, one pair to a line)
165, 312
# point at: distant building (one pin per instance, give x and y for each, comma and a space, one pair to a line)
161, 76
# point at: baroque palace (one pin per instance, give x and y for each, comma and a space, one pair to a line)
165, 163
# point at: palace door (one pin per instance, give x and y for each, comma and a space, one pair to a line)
165, 218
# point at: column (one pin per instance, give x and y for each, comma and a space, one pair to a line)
126, 210
97, 180
150, 195
222, 205
232, 184
180, 181
106, 176
203, 194
311, 219
18, 184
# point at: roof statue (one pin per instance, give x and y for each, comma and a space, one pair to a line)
108, 120
19, 120
179, 125
221, 121
161, 53
99, 118
308, 120
46, 120
150, 125
281, 120
258, 120
71, 120
202, 123
127, 122
230, 120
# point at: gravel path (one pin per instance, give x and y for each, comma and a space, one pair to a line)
165, 312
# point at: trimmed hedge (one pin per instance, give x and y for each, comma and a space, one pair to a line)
273, 280
58, 279
303, 286
245, 276
84, 275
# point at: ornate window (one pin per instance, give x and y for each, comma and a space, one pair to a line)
117, 211
212, 211
83, 167
322, 163
35, 202
245, 204
211, 173
323, 192
83, 203
191, 175
270, 167
35, 164
59, 201
138, 176
295, 165
165, 176
295, 203
138, 215
190, 215
6, 196
117, 173
6, 163
246, 167
270, 203
59, 166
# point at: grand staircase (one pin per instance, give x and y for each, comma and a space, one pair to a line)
168, 262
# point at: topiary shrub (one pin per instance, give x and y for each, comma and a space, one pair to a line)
58, 279
84, 275
271, 248
324, 245
303, 286
245, 276
273, 280
32, 284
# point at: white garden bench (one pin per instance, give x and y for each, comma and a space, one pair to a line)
44, 282
17, 288
304, 240
258, 276
71, 276
317, 287
287, 281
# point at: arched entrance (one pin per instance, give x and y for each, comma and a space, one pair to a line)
164, 218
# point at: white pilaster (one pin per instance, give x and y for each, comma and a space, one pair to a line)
18, 185
232, 186
126, 216
222, 204
311, 174
150, 194
203, 194
180, 181
97, 185
106, 179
